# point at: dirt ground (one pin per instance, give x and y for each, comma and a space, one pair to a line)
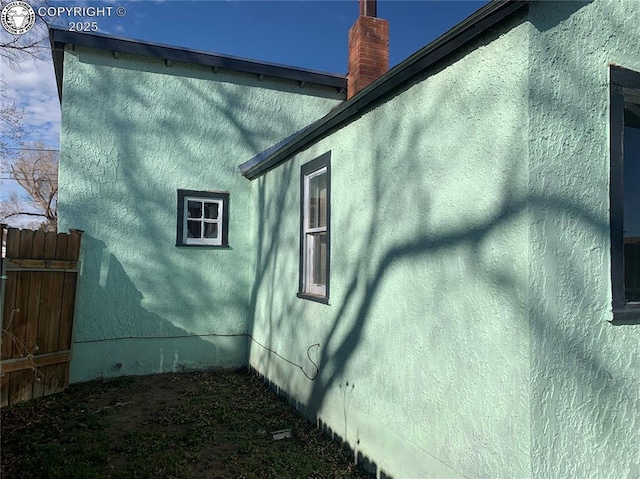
197, 425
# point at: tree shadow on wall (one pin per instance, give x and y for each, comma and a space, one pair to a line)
133, 340
363, 280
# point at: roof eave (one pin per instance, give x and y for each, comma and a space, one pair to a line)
57, 53
59, 38
466, 31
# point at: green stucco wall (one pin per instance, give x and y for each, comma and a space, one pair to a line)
424, 348
468, 330
585, 373
133, 132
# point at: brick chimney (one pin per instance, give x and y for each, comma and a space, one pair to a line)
368, 48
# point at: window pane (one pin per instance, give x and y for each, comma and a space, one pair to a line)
318, 201
194, 209
194, 229
211, 230
320, 258
631, 209
211, 211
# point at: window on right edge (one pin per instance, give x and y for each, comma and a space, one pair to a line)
315, 188
625, 192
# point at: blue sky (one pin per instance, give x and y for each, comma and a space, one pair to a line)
308, 34
311, 34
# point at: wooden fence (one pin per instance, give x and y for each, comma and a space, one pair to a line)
37, 299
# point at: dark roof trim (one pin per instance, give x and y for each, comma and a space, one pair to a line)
59, 38
476, 24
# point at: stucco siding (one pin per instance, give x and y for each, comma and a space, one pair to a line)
424, 348
468, 328
133, 132
584, 371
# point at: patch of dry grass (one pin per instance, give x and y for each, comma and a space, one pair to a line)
197, 425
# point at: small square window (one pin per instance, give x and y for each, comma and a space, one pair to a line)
315, 189
203, 218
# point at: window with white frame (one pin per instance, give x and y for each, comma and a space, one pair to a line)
203, 218
314, 229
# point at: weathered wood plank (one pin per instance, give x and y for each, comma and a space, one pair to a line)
68, 306
20, 386
55, 298
73, 248
44, 323
37, 251
35, 302
19, 330
67, 310
33, 311
63, 368
37, 390
22, 299
8, 315
4, 389
26, 243
44, 319
51, 380
61, 247
3, 284
50, 244
40, 288
13, 243
22, 264
20, 315
20, 364
35, 283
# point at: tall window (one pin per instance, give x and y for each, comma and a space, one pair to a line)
625, 192
314, 229
203, 218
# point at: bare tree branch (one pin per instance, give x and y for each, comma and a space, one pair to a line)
23, 213
36, 171
12, 130
16, 48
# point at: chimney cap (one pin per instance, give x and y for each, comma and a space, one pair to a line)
368, 8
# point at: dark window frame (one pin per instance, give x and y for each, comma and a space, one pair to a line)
308, 168
621, 78
216, 195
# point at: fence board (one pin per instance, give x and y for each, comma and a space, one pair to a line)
44, 312
38, 245
40, 287
55, 297
68, 305
37, 390
40, 265
50, 246
20, 364
35, 290
33, 309
22, 299
61, 247
4, 389
35, 284
11, 286
51, 380
20, 316
13, 243
21, 385
26, 243
50, 243
73, 247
